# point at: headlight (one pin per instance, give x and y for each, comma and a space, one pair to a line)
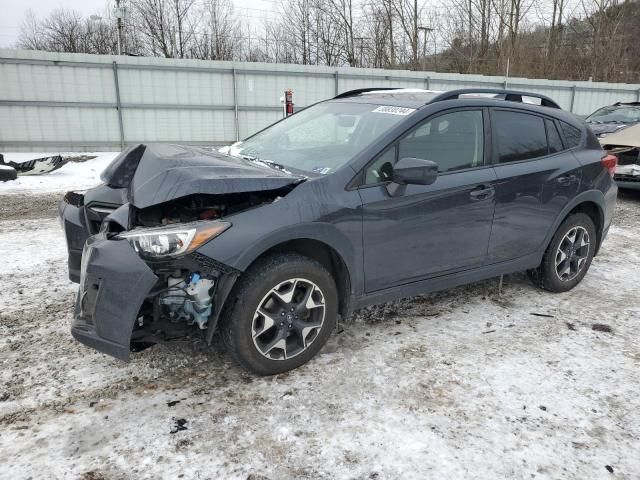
172, 240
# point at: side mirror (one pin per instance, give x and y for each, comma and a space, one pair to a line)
415, 171
412, 171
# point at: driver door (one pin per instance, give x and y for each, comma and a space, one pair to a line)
429, 230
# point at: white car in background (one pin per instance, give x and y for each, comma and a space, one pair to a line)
626, 146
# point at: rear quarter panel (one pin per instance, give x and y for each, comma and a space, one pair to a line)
596, 178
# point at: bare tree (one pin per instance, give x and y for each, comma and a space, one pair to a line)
409, 15
31, 35
379, 29
571, 39
341, 12
63, 31
328, 35
218, 35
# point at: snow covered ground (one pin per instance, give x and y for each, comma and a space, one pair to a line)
77, 175
464, 383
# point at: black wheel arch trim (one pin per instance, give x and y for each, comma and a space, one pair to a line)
324, 233
591, 196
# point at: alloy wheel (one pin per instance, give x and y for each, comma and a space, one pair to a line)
288, 319
572, 253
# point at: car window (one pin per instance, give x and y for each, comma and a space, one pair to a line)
555, 143
519, 136
381, 169
454, 141
572, 135
322, 137
324, 130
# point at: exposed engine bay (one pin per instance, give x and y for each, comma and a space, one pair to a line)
204, 207
188, 300
181, 306
182, 302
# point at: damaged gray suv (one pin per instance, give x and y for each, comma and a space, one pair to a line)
368, 197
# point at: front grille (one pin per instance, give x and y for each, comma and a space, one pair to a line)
96, 213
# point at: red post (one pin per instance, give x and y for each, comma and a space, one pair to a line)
288, 102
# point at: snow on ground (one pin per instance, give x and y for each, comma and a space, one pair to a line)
76, 175
464, 383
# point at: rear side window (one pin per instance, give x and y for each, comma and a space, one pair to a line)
520, 136
555, 143
572, 135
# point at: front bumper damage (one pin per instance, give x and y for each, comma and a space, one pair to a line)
118, 304
628, 176
79, 222
626, 146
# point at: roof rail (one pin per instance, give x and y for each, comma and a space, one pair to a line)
358, 91
509, 95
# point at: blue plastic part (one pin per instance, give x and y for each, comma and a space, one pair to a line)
195, 278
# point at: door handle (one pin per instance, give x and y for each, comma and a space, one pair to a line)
566, 179
482, 192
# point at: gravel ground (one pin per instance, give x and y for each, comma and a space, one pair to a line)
465, 383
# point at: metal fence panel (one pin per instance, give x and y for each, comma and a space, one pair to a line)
175, 125
89, 102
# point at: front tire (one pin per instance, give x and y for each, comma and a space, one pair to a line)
280, 313
568, 256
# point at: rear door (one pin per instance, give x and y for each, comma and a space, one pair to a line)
429, 229
536, 178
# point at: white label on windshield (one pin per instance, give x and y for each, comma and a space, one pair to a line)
394, 110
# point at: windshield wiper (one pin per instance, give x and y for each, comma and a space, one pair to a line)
269, 163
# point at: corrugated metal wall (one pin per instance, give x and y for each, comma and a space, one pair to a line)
58, 101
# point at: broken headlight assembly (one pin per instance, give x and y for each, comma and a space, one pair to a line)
174, 240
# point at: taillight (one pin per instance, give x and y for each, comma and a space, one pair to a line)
610, 162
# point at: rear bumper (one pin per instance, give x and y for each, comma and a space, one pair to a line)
114, 284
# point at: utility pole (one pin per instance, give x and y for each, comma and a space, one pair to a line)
118, 12
426, 31
361, 40
388, 7
119, 15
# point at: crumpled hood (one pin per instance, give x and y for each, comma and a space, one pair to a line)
606, 128
157, 173
629, 137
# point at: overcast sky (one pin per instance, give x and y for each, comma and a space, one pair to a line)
13, 12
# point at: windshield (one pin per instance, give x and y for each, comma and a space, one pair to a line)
323, 137
615, 115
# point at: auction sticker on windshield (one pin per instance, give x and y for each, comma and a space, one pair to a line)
394, 110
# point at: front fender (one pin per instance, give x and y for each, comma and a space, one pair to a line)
326, 233
315, 210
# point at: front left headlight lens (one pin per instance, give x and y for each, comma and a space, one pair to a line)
174, 240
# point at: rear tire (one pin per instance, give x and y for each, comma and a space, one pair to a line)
280, 314
568, 256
